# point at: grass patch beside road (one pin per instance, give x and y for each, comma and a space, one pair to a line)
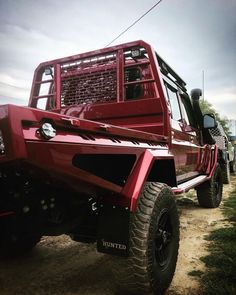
220, 278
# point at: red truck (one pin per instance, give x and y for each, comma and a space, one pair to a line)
108, 139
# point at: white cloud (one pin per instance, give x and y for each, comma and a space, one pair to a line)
11, 81
7, 90
190, 37
224, 102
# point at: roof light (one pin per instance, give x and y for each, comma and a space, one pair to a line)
135, 52
48, 71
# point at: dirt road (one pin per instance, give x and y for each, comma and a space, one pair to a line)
59, 266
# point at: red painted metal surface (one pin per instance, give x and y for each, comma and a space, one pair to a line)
103, 102
4, 214
98, 84
55, 155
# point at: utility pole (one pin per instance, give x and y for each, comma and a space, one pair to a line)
203, 94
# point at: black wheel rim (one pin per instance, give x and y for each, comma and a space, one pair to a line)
163, 237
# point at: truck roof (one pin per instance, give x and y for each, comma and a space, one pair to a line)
167, 70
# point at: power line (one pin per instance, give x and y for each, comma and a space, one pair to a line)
203, 85
134, 23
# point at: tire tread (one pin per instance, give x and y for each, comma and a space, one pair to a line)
133, 273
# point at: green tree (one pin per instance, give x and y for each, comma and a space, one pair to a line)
207, 107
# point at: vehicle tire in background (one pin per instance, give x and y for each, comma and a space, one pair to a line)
209, 193
14, 246
154, 243
225, 167
233, 163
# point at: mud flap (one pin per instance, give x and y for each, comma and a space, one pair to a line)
113, 230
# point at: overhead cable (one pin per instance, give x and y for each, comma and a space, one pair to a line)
134, 23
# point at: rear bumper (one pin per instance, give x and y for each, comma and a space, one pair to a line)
22, 144
89, 157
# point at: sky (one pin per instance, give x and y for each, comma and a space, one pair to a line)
191, 35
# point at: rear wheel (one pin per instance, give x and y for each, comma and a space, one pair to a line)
154, 243
18, 236
209, 193
14, 246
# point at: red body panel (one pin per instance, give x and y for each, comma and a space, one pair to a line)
104, 102
54, 156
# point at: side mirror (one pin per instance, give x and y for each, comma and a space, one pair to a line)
209, 121
196, 94
232, 138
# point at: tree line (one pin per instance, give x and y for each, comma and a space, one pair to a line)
207, 107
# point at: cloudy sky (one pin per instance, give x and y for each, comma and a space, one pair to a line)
191, 35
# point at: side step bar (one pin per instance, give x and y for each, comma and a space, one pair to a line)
186, 186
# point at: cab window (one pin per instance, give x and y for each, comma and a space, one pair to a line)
174, 102
184, 113
133, 91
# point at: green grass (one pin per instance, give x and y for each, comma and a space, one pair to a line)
220, 278
229, 208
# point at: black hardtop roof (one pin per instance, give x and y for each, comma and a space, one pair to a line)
167, 70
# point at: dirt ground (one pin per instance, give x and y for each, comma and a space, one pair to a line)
59, 266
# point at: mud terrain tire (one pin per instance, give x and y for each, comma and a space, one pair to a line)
233, 164
225, 167
154, 243
209, 193
11, 247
